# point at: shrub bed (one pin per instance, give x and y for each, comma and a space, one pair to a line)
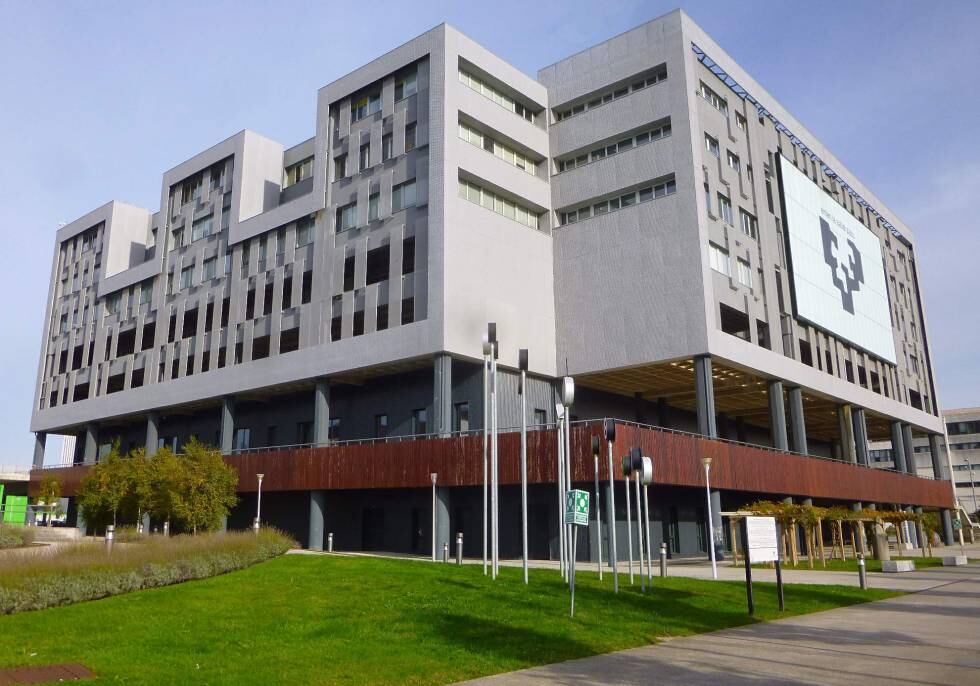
86, 571
15, 536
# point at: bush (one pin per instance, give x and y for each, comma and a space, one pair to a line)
16, 536
85, 571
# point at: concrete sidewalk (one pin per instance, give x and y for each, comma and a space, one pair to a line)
931, 637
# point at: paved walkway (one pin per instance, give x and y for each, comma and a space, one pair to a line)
931, 637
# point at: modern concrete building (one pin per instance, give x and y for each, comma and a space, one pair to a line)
963, 430
638, 216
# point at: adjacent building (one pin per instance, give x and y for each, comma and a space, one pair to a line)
642, 216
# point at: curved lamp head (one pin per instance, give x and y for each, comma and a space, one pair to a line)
260, 476
706, 461
487, 345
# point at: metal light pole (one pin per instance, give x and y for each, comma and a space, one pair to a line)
487, 350
495, 489
434, 476
258, 504
639, 526
567, 398
629, 522
706, 461
610, 430
646, 509
598, 509
522, 363
560, 481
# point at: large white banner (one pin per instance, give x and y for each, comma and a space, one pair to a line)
837, 271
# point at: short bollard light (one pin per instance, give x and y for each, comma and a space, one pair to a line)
445, 552
663, 559
862, 572
330, 542
459, 548
166, 528
110, 533
255, 525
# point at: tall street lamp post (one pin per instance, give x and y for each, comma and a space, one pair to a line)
706, 461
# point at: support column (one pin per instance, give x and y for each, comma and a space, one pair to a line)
777, 416
948, 537
898, 447
717, 524
318, 504
442, 521
920, 531
152, 433
442, 394
797, 420
862, 543
663, 412
846, 425
861, 436
40, 439
939, 470
321, 416
91, 443
910, 466
227, 424
704, 391
910, 530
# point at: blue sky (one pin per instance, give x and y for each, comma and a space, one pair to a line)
98, 99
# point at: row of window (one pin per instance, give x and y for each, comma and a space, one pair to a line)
402, 196
378, 263
636, 141
748, 223
371, 103
342, 168
644, 194
504, 152
297, 172
718, 102
487, 91
609, 96
491, 201
721, 262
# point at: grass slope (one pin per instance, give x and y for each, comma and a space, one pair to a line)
334, 620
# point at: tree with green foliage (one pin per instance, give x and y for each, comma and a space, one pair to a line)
205, 488
164, 479
139, 486
48, 496
103, 490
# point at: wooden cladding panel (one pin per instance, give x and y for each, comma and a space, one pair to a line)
458, 461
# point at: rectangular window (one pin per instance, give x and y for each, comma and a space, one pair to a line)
304, 232
716, 100
374, 207
408, 255
380, 425
711, 145
340, 167
297, 172
364, 158
242, 439
146, 292
358, 323
744, 273
210, 265
406, 86
349, 265
402, 196
489, 200
346, 217
733, 161
387, 147
494, 94
420, 422
382, 319
748, 223
202, 228
461, 417
307, 286
740, 121
366, 106
504, 152
408, 310
410, 133
186, 277
377, 264
540, 418
725, 209
719, 259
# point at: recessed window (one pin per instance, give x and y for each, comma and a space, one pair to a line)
749, 224
364, 157
374, 207
420, 422
304, 232
740, 121
491, 93
461, 417
718, 102
720, 261
498, 149
346, 217
387, 147
410, 137
725, 209
491, 201
744, 273
636, 83
408, 255
297, 172
365, 106
711, 145
406, 86
186, 277
340, 167
402, 196
208, 272
202, 228
733, 161
377, 264
380, 425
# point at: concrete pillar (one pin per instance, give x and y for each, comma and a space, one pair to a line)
797, 420
939, 469
442, 521
898, 447
91, 443
442, 394
227, 424
321, 416
920, 531
152, 432
704, 391
40, 439
910, 530
777, 416
318, 504
861, 436
862, 544
663, 412
948, 537
909, 449
846, 425
717, 525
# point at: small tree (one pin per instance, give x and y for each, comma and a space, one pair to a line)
139, 486
164, 478
48, 496
104, 488
206, 487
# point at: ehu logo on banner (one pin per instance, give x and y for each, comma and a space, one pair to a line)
848, 274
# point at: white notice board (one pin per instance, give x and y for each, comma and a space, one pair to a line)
763, 541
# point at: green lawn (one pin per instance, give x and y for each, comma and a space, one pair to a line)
851, 565
350, 620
